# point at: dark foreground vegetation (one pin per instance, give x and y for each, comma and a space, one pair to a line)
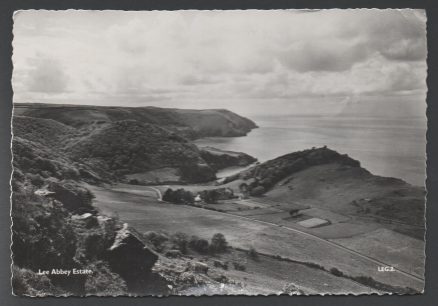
55, 226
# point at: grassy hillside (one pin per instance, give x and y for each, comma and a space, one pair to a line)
129, 146
118, 141
46, 132
324, 178
190, 123
103, 150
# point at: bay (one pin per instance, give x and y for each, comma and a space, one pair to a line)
393, 147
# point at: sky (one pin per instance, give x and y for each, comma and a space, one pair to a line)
252, 62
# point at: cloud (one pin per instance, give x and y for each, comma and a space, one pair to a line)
396, 34
163, 56
323, 56
194, 79
48, 76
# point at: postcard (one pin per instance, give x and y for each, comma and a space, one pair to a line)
224, 152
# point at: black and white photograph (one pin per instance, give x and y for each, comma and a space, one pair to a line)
218, 152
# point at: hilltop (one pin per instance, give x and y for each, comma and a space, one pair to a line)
328, 180
186, 122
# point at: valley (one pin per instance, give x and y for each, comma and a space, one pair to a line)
311, 221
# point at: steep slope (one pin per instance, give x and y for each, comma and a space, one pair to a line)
128, 146
47, 132
190, 123
110, 150
215, 122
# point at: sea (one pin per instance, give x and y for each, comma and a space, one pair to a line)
391, 147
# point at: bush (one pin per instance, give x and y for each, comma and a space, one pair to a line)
238, 266
70, 173
180, 242
258, 191
220, 264
336, 272
198, 244
157, 239
218, 243
210, 196
36, 180
252, 253
293, 212
179, 196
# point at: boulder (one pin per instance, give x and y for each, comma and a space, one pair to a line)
130, 257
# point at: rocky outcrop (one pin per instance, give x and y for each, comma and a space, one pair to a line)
131, 259
220, 159
129, 256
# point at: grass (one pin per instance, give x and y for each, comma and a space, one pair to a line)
145, 213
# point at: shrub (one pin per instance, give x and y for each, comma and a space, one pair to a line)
238, 266
293, 212
252, 253
179, 196
133, 182
267, 182
157, 239
36, 180
220, 264
198, 244
70, 173
180, 242
336, 272
18, 175
173, 253
258, 191
210, 196
218, 243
